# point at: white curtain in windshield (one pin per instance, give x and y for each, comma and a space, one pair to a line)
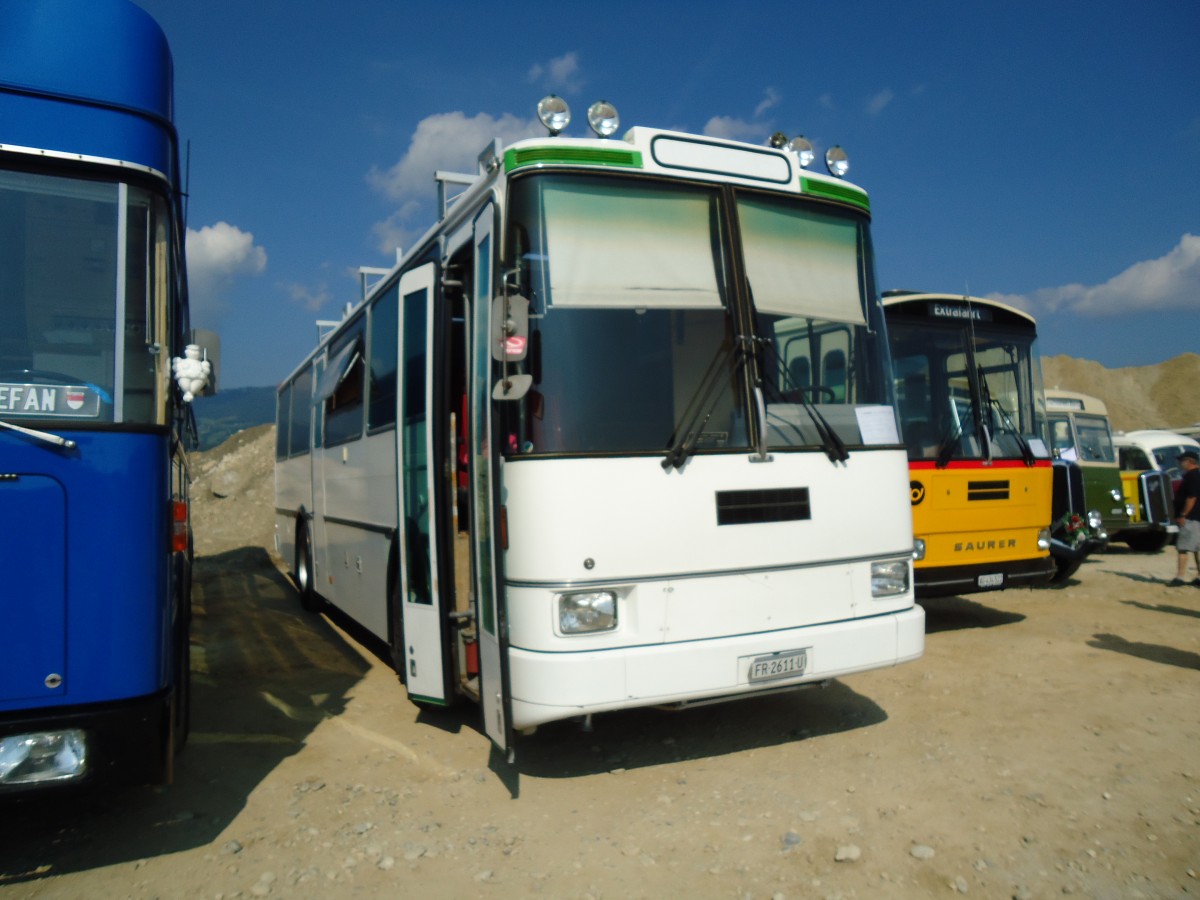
801, 263
622, 248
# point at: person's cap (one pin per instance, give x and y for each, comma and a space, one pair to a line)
1190, 454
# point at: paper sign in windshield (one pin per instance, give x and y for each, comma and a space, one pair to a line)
32, 400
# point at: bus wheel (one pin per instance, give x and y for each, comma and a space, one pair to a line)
1147, 543
304, 571
1064, 569
183, 692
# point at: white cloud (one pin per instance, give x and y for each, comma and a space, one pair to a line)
393, 233
771, 99
308, 298
217, 255
1169, 282
733, 129
561, 74
877, 103
449, 141
445, 141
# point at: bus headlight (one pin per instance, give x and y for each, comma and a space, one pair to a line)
1044, 539
1130, 510
554, 113
587, 612
603, 118
1095, 520
918, 549
889, 577
837, 162
42, 756
1117, 496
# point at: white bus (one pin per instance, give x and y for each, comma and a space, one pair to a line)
617, 432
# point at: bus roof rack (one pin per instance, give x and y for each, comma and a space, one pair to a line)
444, 178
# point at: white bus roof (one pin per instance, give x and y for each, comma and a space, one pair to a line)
1074, 401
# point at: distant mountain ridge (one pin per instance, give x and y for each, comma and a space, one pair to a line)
229, 411
1165, 395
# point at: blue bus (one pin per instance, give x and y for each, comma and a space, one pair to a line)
96, 545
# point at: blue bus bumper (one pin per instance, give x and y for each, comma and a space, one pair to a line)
125, 742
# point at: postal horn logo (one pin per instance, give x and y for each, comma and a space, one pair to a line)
916, 492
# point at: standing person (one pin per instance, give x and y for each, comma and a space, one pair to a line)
1187, 512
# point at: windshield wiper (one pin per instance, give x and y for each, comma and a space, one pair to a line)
45, 436
831, 442
946, 448
728, 359
1022, 444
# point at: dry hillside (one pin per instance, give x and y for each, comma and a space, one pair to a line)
1159, 396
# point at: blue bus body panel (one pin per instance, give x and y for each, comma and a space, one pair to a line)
85, 563
92, 78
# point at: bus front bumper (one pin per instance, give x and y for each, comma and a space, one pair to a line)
127, 741
547, 687
942, 581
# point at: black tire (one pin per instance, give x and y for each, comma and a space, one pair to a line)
1147, 543
305, 574
183, 693
1064, 569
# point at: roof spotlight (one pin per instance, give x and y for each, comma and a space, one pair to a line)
603, 118
803, 148
836, 161
554, 113
778, 140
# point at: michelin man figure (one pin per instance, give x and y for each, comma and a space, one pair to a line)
191, 372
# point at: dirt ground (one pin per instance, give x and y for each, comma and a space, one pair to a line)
1046, 744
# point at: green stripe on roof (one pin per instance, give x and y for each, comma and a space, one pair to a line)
835, 190
571, 156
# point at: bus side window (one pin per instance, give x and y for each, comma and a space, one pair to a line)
283, 417
1133, 458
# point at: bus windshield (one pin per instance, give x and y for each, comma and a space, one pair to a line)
1095, 439
80, 278
628, 311
632, 330
965, 393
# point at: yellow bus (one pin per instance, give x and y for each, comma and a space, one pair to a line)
968, 389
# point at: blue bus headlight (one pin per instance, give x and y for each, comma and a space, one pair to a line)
42, 756
889, 578
587, 612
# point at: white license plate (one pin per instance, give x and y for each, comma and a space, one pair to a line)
779, 665
994, 580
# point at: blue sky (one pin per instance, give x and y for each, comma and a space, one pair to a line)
1047, 153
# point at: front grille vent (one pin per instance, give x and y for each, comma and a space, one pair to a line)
772, 505
987, 490
1157, 502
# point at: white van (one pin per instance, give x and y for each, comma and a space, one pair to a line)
1153, 450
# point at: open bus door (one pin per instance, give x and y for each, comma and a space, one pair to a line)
495, 693
421, 598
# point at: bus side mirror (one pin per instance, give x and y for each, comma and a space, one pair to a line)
514, 387
510, 328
